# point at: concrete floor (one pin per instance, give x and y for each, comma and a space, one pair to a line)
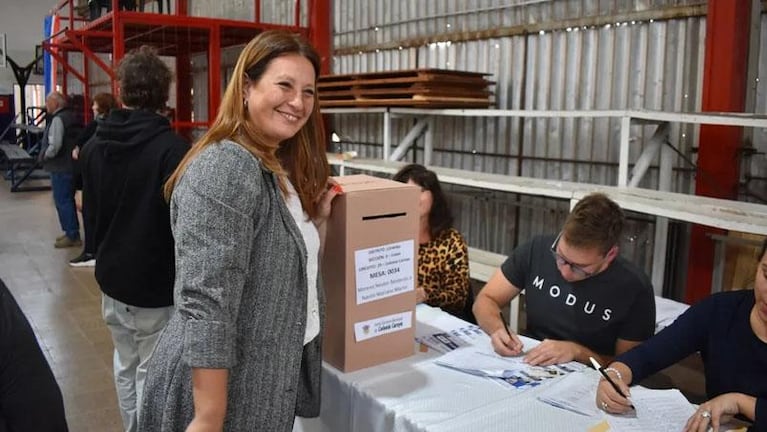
63, 305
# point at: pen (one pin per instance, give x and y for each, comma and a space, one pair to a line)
505, 327
601, 370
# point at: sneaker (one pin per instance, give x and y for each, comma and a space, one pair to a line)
85, 259
67, 242
61, 237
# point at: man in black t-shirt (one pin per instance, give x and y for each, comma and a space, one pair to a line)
582, 299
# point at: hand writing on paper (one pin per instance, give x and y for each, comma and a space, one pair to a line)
551, 352
506, 342
608, 399
712, 413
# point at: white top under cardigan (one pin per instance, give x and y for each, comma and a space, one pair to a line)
312, 242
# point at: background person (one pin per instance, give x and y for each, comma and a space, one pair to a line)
124, 168
248, 208
103, 103
62, 127
443, 256
730, 331
582, 299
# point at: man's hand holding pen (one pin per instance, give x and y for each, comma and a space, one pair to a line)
505, 342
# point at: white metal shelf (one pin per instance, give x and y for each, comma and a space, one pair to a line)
725, 214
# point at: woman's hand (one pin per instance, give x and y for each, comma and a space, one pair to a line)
712, 413
324, 205
609, 400
75, 153
201, 425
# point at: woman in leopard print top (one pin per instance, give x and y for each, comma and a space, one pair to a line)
443, 258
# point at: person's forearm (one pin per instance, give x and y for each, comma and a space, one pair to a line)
487, 313
209, 389
582, 354
747, 406
322, 231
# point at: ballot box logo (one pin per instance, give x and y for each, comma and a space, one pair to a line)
382, 325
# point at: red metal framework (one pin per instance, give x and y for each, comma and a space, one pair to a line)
175, 35
724, 90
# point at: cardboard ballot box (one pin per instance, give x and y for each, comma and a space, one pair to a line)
369, 270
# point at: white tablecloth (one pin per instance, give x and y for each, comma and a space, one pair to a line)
414, 394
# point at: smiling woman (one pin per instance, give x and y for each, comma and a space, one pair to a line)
248, 207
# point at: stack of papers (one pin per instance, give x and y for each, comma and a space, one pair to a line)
656, 411
508, 371
575, 392
447, 341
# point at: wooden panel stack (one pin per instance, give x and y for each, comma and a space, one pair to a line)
414, 88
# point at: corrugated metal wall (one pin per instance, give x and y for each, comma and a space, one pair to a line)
542, 54
272, 11
644, 64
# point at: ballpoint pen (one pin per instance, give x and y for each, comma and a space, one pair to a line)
601, 370
505, 327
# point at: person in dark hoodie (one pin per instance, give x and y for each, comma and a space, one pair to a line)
103, 103
62, 128
124, 167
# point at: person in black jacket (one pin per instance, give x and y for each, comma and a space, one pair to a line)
103, 104
63, 126
124, 167
30, 398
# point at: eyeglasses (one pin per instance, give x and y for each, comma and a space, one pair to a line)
579, 271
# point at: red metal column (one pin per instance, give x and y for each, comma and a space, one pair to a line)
183, 93
724, 89
321, 31
118, 45
182, 8
65, 74
87, 112
214, 73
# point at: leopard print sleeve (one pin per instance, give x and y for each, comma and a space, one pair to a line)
443, 271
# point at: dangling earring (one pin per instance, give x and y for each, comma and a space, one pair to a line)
245, 103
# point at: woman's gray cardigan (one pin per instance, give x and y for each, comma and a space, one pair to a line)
240, 295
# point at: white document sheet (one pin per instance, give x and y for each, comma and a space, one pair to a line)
481, 360
656, 410
575, 392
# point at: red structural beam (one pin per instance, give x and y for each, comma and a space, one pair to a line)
724, 90
214, 73
64, 63
321, 31
88, 54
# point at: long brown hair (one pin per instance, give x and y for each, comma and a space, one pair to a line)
302, 157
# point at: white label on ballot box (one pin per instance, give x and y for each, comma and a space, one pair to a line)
380, 326
384, 271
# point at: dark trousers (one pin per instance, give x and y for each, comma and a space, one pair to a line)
62, 184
